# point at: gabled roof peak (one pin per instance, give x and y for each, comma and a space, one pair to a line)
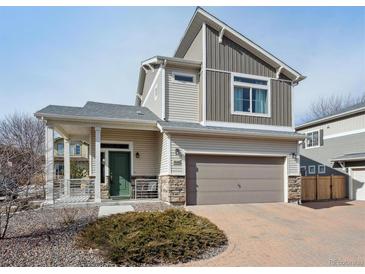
201, 16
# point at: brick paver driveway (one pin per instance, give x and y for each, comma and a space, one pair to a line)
278, 234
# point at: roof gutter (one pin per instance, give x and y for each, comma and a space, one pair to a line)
42, 116
297, 137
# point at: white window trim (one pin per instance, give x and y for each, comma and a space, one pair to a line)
309, 169
250, 86
324, 169
306, 140
184, 74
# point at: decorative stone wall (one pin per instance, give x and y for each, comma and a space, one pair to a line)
105, 190
294, 189
172, 189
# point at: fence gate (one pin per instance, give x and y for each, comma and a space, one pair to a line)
316, 188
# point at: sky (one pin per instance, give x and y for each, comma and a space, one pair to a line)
70, 55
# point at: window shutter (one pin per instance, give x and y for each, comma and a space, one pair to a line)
303, 143
321, 137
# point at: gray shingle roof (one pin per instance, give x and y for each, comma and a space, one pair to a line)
350, 109
100, 110
190, 127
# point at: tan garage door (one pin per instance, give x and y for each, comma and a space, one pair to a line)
212, 179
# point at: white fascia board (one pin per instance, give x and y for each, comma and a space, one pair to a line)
90, 118
230, 133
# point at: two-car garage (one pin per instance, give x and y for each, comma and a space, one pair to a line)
223, 179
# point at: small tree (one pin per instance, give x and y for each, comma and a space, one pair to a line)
325, 106
21, 164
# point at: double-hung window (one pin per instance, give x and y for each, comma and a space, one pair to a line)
75, 150
312, 139
60, 149
250, 95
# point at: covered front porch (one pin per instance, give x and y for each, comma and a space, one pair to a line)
123, 161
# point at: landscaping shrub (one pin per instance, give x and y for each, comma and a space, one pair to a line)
147, 238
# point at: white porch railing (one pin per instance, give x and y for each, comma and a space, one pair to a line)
73, 190
145, 189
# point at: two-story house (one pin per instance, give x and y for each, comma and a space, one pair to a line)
335, 145
79, 158
212, 124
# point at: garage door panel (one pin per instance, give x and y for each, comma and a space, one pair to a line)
206, 198
210, 171
237, 184
213, 179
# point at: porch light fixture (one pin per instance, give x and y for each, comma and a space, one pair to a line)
137, 155
177, 152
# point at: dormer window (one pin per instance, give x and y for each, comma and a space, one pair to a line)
250, 95
184, 77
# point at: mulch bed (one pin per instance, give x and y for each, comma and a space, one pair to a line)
45, 237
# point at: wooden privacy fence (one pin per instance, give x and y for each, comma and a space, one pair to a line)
323, 188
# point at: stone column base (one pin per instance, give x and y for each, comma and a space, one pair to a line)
294, 189
172, 189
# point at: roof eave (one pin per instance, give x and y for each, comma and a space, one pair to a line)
227, 132
329, 118
46, 116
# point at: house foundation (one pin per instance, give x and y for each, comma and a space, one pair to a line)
172, 189
294, 189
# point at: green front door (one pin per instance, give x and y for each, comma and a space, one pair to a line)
120, 174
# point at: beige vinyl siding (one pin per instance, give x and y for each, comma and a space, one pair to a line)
231, 57
144, 142
221, 145
219, 102
165, 151
182, 99
195, 51
356, 122
154, 101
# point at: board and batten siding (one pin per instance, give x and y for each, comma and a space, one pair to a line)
153, 101
221, 145
229, 56
219, 102
144, 141
182, 99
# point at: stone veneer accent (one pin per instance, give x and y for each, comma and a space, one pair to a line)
172, 189
294, 189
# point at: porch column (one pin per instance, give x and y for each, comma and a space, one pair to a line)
49, 163
97, 165
66, 163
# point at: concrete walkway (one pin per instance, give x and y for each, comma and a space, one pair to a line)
313, 234
114, 209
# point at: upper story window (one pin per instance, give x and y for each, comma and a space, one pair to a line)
312, 139
60, 149
250, 95
184, 77
75, 150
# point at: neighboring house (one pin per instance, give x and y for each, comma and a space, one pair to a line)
79, 157
335, 145
212, 124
